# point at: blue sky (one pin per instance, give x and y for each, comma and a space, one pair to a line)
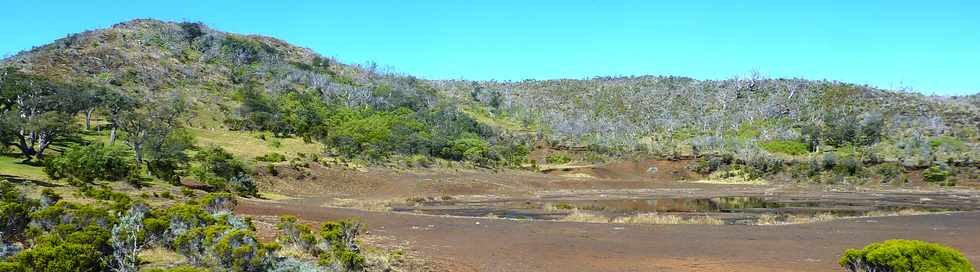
930, 46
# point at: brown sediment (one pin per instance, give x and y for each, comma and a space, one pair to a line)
512, 245
485, 244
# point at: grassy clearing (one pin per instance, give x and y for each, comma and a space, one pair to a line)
481, 115
249, 145
12, 166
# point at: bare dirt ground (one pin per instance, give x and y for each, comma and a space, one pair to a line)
480, 244
483, 244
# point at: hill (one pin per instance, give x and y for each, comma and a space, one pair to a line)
261, 84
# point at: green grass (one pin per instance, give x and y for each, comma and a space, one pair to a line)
248, 145
482, 116
789, 147
12, 166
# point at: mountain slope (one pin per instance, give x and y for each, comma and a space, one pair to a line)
153, 56
251, 82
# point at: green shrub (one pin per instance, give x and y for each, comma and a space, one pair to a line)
122, 200
68, 249
168, 158
558, 158
889, 172
90, 163
829, 160
374, 134
469, 148
938, 174
217, 202
905, 256
761, 163
271, 157
418, 161
275, 143
513, 154
791, 147
186, 192
298, 234
344, 252
707, 165
847, 166
222, 171
14, 213
62, 257
165, 170
180, 269
49, 197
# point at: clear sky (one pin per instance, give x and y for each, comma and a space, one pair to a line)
930, 46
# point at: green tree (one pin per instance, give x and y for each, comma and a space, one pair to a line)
33, 113
116, 105
151, 125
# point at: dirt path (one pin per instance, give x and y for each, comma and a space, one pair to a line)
476, 244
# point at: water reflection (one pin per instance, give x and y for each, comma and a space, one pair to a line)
732, 210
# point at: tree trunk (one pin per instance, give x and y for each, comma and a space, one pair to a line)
138, 150
26, 149
112, 135
43, 145
88, 118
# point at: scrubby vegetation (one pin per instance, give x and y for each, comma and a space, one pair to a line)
776, 129
219, 169
91, 162
51, 234
905, 256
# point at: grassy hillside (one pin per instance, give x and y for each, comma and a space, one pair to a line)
257, 95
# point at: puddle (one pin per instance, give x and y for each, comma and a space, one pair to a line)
729, 210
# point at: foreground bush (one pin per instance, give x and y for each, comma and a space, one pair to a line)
343, 252
90, 163
905, 256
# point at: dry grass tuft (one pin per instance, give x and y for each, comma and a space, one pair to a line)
645, 218
808, 218
768, 219
161, 258
374, 205
658, 219
383, 260
580, 216
274, 196
773, 219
